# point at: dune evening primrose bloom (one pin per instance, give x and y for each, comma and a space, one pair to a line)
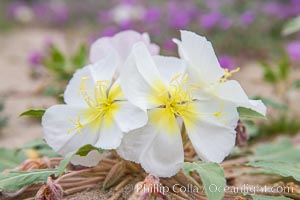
205, 70
121, 44
96, 112
160, 85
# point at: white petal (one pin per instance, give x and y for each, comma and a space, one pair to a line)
181, 51
100, 48
124, 41
105, 68
90, 160
153, 48
201, 56
122, 44
258, 106
134, 86
72, 95
56, 125
232, 91
159, 151
101, 70
130, 117
212, 137
135, 142
146, 66
208, 110
211, 142
110, 135
164, 156
169, 67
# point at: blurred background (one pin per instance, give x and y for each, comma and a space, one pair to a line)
43, 42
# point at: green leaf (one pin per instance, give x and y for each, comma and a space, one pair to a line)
285, 169
64, 163
1, 106
33, 113
259, 197
37, 143
282, 124
281, 158
81, 57
16, 180
292, 26
212, 176
248, 113
296, 84
269, 74
10, 158
284, 69
280, 151
84, 150
57, 55
51, 90
57, 63
252, 129
270, 102
47, 153
57, 59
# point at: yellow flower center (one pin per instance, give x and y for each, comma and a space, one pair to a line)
178, 98
177, 101
101, 103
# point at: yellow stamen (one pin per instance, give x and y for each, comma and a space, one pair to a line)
228, 74
177, 101
99, 105
78, 125
219, 114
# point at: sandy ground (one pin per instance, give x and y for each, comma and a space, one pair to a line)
18, 89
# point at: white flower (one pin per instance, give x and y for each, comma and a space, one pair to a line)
121, 45
95, 112
160, 85
124, 13
205, 70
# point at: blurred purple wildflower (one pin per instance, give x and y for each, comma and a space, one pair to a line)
109, 31
41, 10
226, 62
273, 9
128, 2
35, 58
50, 12
294, 8
247, 18
152, 14
13, 8
226, 23
210, 20
179, 16
60, 13
126, 25
293, 50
